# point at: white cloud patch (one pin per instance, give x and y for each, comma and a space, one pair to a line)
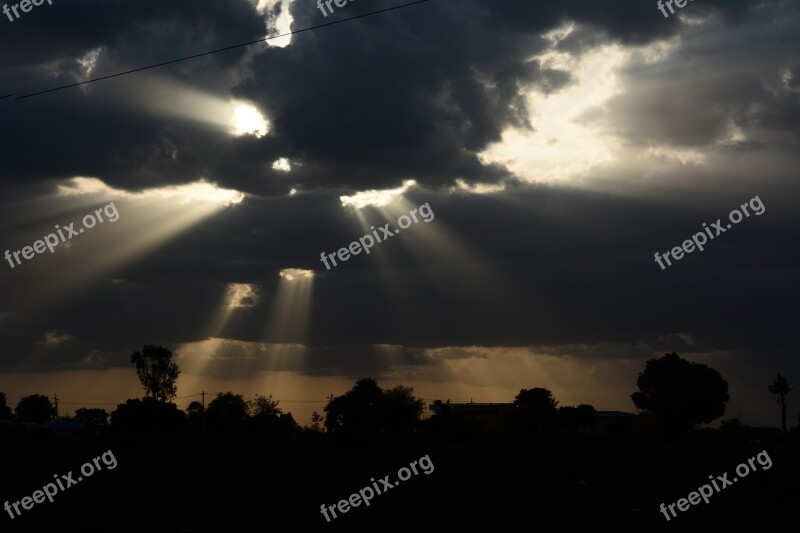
282, 165
376, 198
198, 191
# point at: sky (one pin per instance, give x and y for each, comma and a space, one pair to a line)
548, 150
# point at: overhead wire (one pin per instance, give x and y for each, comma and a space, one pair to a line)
210, 52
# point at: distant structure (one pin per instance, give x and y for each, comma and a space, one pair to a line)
611, 421
62, 427
493, 416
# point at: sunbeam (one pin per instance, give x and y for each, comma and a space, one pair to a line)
291, 305
237, 296
145, 221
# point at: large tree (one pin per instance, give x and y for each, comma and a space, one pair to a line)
157, 372
227, 415
574, 418
195, 409
146, 419
267, 420
264, 407
535, 409
401, 410
680, 394
35, 408
95, 419
781, 388
358, 411
368, 411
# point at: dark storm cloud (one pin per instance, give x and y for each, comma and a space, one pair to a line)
445, 84
773, 111
145, 31
672, 342
426, 108
116, 141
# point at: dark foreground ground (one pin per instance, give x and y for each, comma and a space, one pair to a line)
576, 484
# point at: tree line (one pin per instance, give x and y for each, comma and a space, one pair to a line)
674, 396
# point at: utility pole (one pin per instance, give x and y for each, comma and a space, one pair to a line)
55, 397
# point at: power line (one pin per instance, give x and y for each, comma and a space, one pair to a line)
303, 401
189, 396
217, 50
89, 403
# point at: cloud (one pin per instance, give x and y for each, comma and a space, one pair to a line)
561, 143
54, 337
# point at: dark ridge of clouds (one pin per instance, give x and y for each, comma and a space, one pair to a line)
742, 147
774, 111
469, 352
138, 33
422, 109
671, 342
580, 264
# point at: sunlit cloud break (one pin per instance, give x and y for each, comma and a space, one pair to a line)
54, 337
240, 295
291, 274
281, 24
248, 120
375, 197
477, 188
197, 191
282, 164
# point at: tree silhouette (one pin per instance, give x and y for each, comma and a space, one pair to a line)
781, 388
157, 372
680, 394
263, 407
368, 411
195, 409
535, 410
358, 411
93, 419
572, 418
317, 421
35, 408
148, 418
401, 410
267, 419
227, 414
5, 410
